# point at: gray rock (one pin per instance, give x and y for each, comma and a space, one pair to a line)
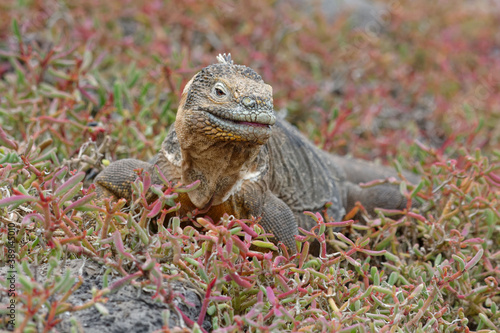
130, 309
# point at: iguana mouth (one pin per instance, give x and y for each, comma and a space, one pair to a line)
243, 117
241, 122
252, 124
243, 127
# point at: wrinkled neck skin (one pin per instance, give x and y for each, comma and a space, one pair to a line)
221, 166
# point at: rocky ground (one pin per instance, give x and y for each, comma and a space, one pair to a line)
130, 308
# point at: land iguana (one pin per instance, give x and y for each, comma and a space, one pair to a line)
249, 162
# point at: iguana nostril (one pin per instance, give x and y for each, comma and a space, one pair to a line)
248, 102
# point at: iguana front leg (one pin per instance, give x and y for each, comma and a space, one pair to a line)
276, 217
115, 180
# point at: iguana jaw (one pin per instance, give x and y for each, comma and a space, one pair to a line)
240, 115
236, 125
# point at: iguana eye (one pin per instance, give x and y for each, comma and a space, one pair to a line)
219, 92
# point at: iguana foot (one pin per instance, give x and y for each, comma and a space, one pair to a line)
114, 181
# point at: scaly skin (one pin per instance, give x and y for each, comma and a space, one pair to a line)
250, 163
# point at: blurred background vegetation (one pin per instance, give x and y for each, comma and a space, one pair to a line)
365, 78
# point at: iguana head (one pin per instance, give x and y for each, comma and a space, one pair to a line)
225, 102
